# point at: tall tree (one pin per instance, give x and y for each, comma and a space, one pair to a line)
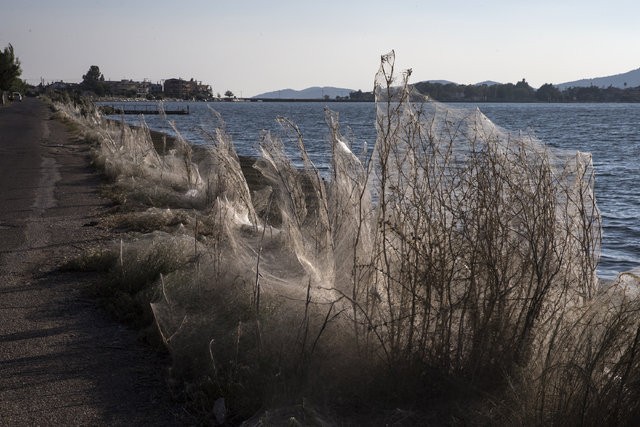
9, 69
94, 80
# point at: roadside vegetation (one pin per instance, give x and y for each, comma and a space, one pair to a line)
445, 276
10, 71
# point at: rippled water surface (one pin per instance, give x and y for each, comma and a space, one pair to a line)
611, 132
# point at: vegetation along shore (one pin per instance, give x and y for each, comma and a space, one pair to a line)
457, 287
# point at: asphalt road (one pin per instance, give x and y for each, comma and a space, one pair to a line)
63, 361
22, 131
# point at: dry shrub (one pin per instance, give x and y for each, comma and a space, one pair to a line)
477, 230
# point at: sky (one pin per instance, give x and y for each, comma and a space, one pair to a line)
251, 47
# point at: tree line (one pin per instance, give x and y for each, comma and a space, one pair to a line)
10, 71
518, 92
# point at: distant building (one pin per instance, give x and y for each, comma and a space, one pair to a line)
124, 88
60, 86
203, 91
155, 89
132, 89
186, 89
176, 88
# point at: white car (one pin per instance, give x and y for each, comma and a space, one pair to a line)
16, 96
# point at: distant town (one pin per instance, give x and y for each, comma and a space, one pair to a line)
94, 84
172, 88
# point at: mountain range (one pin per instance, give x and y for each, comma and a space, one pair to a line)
623, 80
314, 92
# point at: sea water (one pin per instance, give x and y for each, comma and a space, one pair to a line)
611, 132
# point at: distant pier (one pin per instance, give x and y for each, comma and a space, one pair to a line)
141, 109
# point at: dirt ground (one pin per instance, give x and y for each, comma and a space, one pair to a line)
63, 361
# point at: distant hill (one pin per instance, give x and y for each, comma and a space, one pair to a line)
442, 82
622, 81
487, 83
315, 92
449, 82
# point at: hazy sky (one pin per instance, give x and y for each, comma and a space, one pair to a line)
250, 47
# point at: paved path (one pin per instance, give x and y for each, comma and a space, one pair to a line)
63, 361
